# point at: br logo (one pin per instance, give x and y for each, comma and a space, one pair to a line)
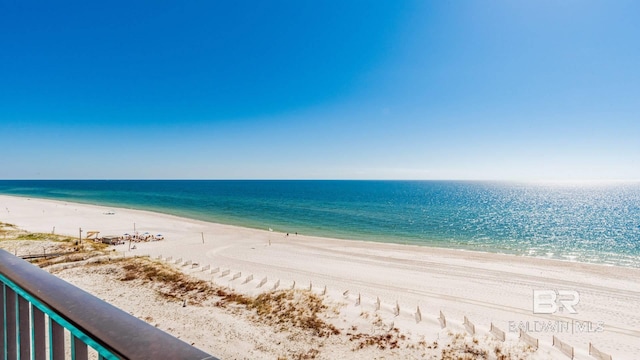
551, 301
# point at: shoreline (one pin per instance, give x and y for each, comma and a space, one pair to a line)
488, 288
396, 241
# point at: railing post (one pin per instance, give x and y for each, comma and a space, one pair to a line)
56, 341
24, 330
3, 335
10, 306
38, 334
78, 349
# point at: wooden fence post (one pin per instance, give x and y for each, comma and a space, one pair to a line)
249, 278
468, 325
499, 334
442, 320
599, 355
563, 347
529, 339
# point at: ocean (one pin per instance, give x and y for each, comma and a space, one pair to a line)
594, 223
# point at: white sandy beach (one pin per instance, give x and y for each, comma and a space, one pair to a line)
486, 288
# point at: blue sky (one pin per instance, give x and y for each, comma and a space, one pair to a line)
508, 90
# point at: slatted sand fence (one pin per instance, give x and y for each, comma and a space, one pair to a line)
597, 354
528, 339
402, 314
442, 320
429, 319
394, 314
377, 305
563, 347
418, 314
469, 326
499, 334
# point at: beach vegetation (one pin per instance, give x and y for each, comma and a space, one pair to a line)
293, 308
11, 232
5, 227
167, 281
460, 347
284, 309
384, 341
35, 237
308, 354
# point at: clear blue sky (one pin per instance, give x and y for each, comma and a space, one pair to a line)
511, 90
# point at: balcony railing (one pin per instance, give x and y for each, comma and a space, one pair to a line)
37, 307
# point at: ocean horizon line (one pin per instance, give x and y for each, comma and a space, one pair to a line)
523, 181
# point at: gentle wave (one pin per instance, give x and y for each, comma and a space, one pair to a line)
597, 223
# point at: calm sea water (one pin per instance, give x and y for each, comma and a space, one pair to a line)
597, 223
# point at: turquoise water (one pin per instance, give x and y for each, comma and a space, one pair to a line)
598, 223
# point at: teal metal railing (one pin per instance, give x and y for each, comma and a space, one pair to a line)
37, 309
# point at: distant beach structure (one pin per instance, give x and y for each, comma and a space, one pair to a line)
111, 240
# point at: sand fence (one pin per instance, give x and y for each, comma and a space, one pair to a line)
597, 354
395, 310
563, 347
533, 342
442, 320
499, 334
469, 326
